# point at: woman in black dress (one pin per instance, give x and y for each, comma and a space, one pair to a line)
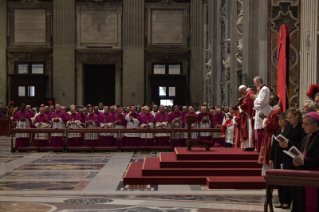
294, 133
276, 159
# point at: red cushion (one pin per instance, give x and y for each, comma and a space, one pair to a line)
293, 173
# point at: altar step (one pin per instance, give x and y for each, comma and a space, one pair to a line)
169, 160
236, 182
134, 176
215, 154
151, 167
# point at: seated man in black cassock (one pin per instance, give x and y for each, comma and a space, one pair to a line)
307, 199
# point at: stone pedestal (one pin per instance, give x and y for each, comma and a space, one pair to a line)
133, 52
3, 45
63, 52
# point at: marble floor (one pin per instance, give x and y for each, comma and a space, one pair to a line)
93, 182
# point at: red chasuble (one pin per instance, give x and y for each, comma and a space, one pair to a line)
247, 108
270, 126
237, 130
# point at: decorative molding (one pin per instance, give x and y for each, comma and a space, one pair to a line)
293, 57
98, 57
16, 57
285, 18
277, 2
30, 2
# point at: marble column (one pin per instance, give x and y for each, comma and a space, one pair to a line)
308, 52
63, 52
3, 45
197, 69
133, 52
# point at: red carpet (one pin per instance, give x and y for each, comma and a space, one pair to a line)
221, 168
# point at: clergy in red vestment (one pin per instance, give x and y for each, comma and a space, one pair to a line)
73, 122
147, 122
106, 120
58, 120
133, 120
119, 123
270, 125
218, 119
204, 121
176, 120
161, 122
22, 120
42, 121
246, 117
91, 122
237, 131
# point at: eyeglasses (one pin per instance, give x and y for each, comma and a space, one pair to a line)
290, 118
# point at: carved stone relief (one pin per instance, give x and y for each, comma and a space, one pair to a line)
222, 18
239, 25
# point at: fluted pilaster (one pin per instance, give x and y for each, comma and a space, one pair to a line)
63, 53
309, 66
133, 52
197, 72
3, 45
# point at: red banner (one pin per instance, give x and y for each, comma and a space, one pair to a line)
283, 66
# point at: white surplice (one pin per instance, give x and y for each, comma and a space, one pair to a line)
132, 125
76, 125
42, 136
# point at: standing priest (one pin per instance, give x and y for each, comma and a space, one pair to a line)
260, 106
106, 120
246, 119
133, 120
58, 122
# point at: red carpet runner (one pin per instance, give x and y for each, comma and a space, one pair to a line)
220, 168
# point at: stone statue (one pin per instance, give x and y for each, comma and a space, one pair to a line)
239, 26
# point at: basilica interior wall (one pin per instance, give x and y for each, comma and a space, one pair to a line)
218, 45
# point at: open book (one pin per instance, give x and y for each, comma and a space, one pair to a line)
294, 152
281, 138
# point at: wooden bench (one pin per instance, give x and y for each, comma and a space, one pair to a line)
288, 178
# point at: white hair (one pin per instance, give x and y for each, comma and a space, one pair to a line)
242, 87
311, 105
